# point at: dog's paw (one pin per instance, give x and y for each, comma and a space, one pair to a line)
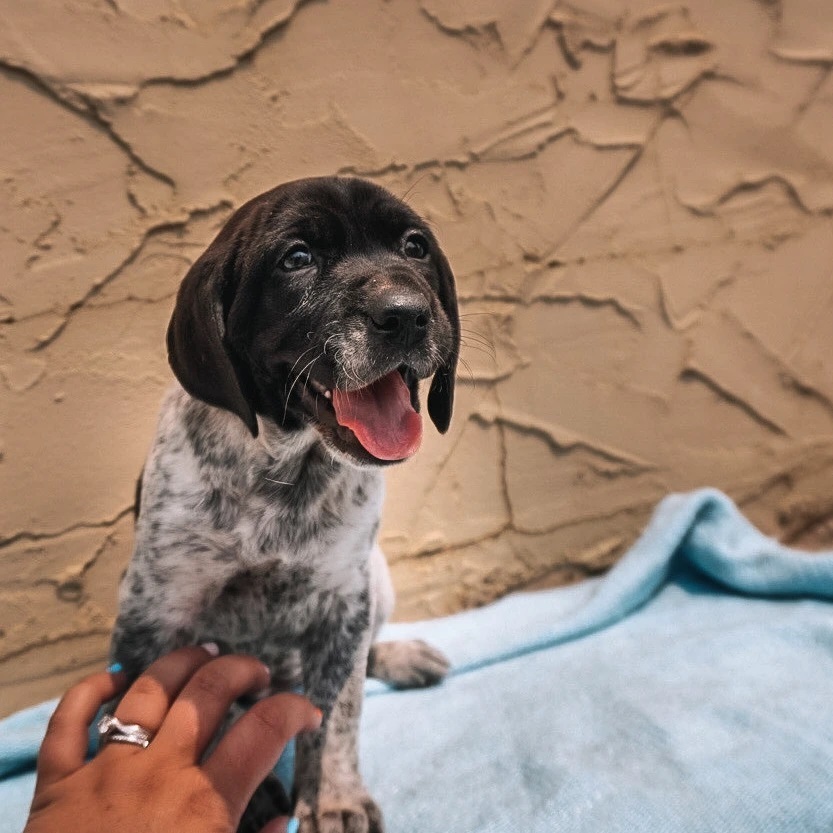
347, 814
407, 664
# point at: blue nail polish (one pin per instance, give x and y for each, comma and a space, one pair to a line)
292, 826
114, 668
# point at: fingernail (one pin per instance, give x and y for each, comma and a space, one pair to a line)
211, 648
267, 687
292, 825
114, 668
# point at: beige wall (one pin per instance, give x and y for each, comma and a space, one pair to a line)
636, 198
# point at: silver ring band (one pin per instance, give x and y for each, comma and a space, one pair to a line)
112, 730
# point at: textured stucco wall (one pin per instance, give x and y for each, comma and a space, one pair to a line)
636, 198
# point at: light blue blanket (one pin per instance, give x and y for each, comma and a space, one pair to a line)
690, 689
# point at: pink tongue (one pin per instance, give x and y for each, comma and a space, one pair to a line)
381, 416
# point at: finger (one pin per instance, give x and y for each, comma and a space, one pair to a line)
196, 715
278, 825
64, 746
251, 748
148, 700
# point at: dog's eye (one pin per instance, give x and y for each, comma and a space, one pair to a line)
415, 246
297, 257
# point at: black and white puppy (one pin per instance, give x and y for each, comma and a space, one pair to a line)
298, 339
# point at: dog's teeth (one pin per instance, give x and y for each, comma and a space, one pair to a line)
328, 394
320, 389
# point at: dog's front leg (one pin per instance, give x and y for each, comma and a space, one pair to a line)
143, 631
331, 795
160, 599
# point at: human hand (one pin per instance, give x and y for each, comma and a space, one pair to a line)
181, 700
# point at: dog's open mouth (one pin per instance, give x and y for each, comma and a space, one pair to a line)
380, 416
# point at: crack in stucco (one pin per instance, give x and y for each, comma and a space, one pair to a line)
590, 301
471, 33
51, 535
747, 185
86, 109
50, 641
505, 491
560, 440
639, 508
434, 550
240, 56
824, 76
39, 243
62, 666
475, 341
96, 288
69, 584
479, 155
693, 316
238, 59
692, 372
787, 375
597, 203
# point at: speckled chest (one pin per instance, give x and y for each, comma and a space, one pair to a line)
295, 576
258, 545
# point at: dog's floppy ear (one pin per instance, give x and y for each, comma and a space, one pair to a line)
441, 392
197, 346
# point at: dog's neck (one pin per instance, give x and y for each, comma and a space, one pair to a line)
290, 450
275, 461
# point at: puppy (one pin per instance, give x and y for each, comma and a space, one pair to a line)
298, 340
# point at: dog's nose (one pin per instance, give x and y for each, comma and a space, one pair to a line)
401, 317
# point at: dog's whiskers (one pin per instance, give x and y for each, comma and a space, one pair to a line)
306, 382
327, 341
289, 375
350, 373
469, 336
295, 381
279, 482
468, 369
468, 345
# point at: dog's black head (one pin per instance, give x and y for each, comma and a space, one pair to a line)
323, 302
